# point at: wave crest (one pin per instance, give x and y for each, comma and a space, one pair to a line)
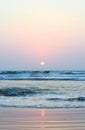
16, 92
67, 99
22, 91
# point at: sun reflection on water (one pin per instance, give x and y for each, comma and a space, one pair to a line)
42, 113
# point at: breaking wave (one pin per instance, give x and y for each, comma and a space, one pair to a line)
24, 91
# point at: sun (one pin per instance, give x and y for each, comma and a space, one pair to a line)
42, 63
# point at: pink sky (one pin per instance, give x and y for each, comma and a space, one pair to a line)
42, 32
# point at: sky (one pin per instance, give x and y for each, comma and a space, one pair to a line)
52, 31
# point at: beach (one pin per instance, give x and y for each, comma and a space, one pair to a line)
42, 119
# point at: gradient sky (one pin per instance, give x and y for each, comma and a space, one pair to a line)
32, 31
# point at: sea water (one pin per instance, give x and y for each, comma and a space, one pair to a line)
42, 89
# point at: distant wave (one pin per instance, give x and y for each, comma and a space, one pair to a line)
46, 71
10, 72
42, 75
23, 72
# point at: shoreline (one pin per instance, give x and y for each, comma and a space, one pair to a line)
42, 119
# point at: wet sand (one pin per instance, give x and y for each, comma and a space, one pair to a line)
42, 119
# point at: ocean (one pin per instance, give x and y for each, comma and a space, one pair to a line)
42, 89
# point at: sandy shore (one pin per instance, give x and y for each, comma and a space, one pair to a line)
42, 119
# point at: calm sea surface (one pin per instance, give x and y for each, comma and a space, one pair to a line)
42, 89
